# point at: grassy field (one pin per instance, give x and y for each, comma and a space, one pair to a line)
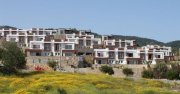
69, 83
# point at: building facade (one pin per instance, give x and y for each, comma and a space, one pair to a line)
72, 42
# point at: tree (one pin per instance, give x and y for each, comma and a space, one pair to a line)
106, 69
147, 74
12, 58
52, 64
160, 70
88, 60
128, 71
173, 72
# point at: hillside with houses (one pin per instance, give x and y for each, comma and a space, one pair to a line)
70, 42
56, 60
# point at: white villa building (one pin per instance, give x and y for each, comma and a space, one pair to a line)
72, 42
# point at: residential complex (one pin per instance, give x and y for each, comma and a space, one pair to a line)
72, 42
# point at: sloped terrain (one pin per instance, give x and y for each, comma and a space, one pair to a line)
73, 83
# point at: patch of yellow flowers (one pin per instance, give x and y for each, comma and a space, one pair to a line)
79, 83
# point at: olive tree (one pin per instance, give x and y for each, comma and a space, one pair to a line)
12, 57
160, 70
128, 71
52, 64
107, 69
88, 60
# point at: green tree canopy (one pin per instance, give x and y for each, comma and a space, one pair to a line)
12, 57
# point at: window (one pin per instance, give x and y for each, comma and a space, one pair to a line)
122, 44
110, 61
57, 47
100, 54
47, 47
95, 42
69, 36
68, 54
72, 40
128, 44
120, 61
120, 55
38, 54
38, 39
130, 54
68, 46
21, 39
157, 56
109, 44
14, 33
53, 33
13, 39
47, 33
150, 56
81, 42
142, 56
40, 32
117, 44
36, 46
30, 39
88, 42
111, 55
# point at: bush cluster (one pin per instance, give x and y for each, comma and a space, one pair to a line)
162, 71
128, 71
107, 69
52, 64
11, 57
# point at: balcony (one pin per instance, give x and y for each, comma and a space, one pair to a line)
98, 46
111, 55
111, 47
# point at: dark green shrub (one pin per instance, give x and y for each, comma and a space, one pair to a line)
175, 68
160, 70
128, 71
147, 74
52, 64
8, 71
171, 74
88, 61
61, 91
46, 87
12, 58
106, 69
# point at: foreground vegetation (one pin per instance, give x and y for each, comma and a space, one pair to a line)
163, 70
69, 83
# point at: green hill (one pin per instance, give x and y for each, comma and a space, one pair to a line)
7, 27
175, 45
139, 40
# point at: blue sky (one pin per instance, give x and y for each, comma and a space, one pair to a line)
156, 19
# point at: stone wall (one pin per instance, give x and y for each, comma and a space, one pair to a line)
42, 60
66, 63
137, 69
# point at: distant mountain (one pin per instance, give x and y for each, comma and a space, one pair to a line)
175, 45
145, 41
7, 27
139, 40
